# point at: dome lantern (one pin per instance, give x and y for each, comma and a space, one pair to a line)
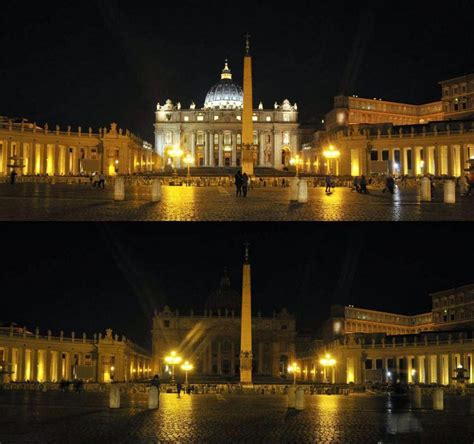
226, 94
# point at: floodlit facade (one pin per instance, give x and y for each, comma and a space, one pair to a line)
373, 346
27, 356
212, 135
371, 136
40, 151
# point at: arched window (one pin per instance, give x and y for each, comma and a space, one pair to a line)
227, 139
216, 139
239, 139
200, 139
286, 138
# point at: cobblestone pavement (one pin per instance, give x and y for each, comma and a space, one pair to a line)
40, 202
35, 417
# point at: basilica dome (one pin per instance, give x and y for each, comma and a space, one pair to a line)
224, 297
226, 94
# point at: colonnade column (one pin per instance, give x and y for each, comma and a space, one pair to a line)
437, 160
451, 168
206, 148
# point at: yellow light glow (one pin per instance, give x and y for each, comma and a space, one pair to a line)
294, 368
173, 358
187, 367
332, 153
189, 160
328, 361
175, 152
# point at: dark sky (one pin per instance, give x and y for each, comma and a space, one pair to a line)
92, 62
92, 277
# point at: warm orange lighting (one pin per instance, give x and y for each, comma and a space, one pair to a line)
332, 153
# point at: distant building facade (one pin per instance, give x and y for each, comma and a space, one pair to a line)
373, 346
32, 357
33, 150
213, 134
371, 136
211, 338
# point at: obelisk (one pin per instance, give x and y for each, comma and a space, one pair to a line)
247, 118
246, 355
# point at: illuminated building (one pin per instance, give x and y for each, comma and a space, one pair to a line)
35, 150
373, 346
379, 137
32, 357
213, 134
211, 339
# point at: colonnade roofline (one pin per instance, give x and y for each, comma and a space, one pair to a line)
387, 312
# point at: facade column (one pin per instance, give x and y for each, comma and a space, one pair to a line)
439, 368
206, 148
260, 358
221, 149
450, 368
409, 369
232, 359
464, 158
234, 150
193, 144
219, 358
211, 149
262, 150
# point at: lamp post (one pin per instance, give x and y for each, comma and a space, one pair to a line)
294, 368
173, 359
327, 362
189, 160
175, 153
187, 367
297, 161
332, 154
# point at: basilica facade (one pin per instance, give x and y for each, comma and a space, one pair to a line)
211, 337
212, 134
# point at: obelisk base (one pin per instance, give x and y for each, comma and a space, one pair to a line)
247, 162
246, 371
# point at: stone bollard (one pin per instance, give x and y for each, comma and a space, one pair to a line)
153, 398
417, 397
299, 399
294, 190
114, 401
303, 192
449, 192
119, 189
292, 397
438, 399
425, 190
156, 191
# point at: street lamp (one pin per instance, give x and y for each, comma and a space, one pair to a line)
175, 153
294, 368
297, 161
189, 160
187, 367
327, 362
331, 154
173, 359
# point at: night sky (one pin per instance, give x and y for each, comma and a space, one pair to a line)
92, 62
89, 277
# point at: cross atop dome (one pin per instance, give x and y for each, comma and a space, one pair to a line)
226, 72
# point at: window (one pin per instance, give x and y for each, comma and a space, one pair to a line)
385, 156
374, 156
269, 119
169, 138
186, 118
368, 364
255, 118
216, 139
239, 117
286, 138
284, 327
379, 364
286, 117
167, 324
239, 139
216, 117
200, 118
